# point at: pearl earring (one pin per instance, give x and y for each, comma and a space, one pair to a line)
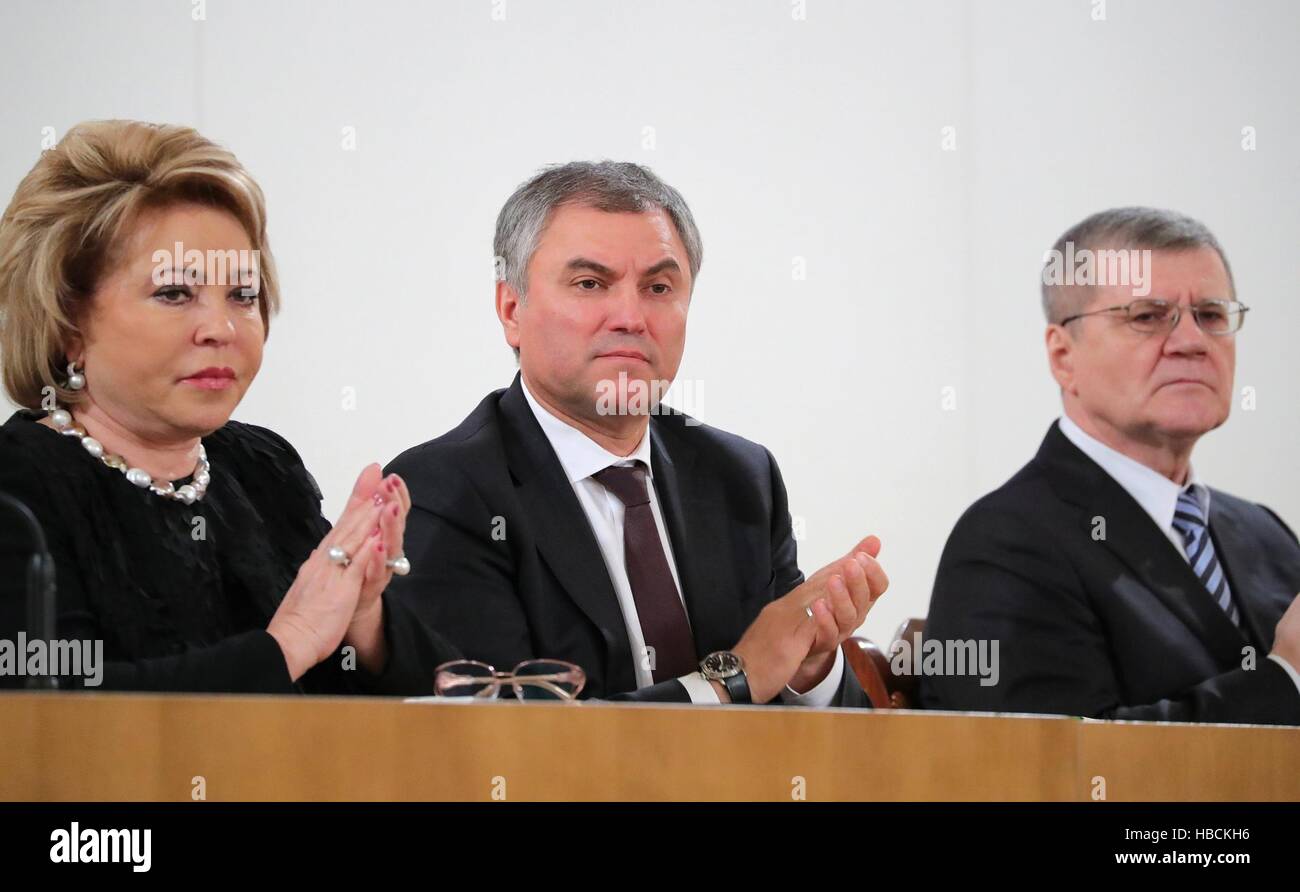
76, 380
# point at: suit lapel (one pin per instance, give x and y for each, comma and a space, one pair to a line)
697, 529
563, 534
1135, 539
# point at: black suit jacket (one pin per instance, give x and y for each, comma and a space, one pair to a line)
505, 564
1117, 628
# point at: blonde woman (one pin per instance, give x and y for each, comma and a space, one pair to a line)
136, 293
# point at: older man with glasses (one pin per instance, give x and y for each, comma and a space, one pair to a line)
1117, 583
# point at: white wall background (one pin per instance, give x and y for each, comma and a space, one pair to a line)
818, 139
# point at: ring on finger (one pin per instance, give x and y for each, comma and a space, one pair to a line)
399, 565
337, 555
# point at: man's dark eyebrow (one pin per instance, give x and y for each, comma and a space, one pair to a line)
662, 266
599, 269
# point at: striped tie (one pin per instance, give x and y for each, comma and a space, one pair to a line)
1189, 519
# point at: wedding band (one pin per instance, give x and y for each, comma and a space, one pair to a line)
808, 610
399, 565
338, 556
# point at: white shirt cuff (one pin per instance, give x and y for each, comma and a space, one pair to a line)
699, 690
823, 692
1290, 670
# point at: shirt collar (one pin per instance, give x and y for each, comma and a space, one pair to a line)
1156, 493
579, 455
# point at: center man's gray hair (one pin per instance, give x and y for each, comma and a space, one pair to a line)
1130, 227
610, 186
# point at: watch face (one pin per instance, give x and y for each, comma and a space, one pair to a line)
722, 664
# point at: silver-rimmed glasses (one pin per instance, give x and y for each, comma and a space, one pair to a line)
1149, 316
531, 680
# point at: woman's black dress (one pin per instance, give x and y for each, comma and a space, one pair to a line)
181, 594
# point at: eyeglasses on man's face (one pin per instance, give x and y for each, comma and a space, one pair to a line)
530, 680
1153, 316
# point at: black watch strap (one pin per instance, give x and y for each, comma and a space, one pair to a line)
738, 687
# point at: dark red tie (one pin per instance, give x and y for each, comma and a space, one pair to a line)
658, 606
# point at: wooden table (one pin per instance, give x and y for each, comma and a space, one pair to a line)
66, 746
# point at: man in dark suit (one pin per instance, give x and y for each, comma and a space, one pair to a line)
1117, 584
574, 517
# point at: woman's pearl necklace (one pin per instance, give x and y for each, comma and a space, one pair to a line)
189, 493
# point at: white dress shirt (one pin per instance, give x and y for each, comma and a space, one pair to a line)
581, 457
1156, 493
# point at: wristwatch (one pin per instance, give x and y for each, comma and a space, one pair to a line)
728, 668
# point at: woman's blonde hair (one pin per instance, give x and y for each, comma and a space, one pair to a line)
73, 211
